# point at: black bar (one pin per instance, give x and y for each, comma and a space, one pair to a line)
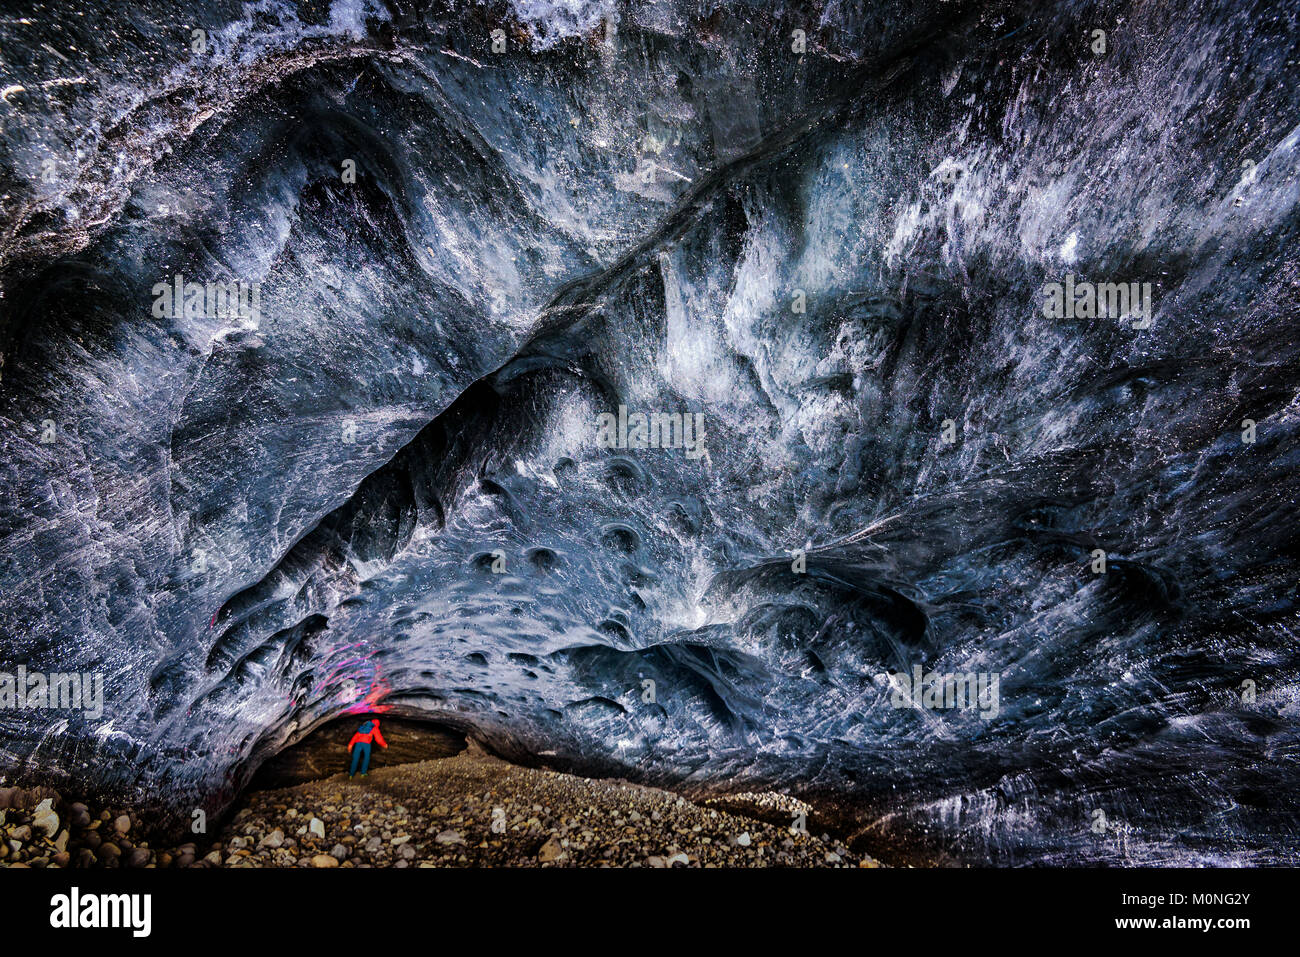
270, 906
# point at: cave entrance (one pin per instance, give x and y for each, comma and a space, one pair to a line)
324, 752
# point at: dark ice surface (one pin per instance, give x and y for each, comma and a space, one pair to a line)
385, 490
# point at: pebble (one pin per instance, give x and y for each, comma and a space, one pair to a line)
552, 850
80, 815
45, 818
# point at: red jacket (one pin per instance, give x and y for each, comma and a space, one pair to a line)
372, 735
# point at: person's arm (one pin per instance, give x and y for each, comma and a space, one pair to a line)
380, 738
355, 739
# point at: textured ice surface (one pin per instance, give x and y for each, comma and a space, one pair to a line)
386, 489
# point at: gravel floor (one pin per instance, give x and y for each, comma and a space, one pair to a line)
471, 810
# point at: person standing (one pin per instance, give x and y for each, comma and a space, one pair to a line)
360, 745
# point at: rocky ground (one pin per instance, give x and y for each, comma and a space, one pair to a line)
471, 810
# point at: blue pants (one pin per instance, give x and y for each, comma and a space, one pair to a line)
360, 754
